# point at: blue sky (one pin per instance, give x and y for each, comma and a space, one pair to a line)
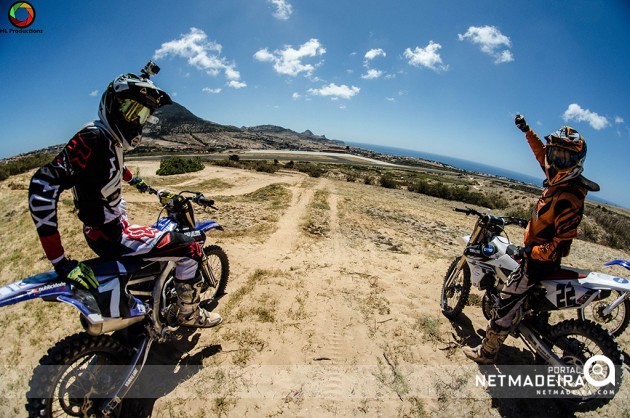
444, 76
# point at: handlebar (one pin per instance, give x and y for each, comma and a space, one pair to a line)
198, 197
491, 219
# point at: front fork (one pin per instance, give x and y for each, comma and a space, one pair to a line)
207, 272
608, 309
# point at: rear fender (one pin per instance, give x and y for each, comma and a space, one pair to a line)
596, 280
48, 287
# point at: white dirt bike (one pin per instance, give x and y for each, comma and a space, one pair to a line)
486, 263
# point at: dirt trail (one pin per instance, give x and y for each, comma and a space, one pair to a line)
332, 308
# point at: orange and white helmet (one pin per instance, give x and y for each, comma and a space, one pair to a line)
564, 156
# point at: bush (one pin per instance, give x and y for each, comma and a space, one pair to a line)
616, 227
460, 194
23, 164
310, 169
179, 165
388, 182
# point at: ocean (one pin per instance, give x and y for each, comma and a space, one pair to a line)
455, 162
464, 165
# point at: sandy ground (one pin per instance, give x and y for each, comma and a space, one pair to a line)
332, 308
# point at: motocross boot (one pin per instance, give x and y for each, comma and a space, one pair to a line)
189, 313
488, 350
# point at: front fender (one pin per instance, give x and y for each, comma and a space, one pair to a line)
208, 225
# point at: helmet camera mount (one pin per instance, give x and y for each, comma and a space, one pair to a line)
150, 69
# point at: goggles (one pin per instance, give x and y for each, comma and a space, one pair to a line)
133, 111
561, 157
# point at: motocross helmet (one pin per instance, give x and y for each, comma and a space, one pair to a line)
564, 155
126, 105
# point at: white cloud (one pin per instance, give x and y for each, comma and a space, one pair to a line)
296, 95
372, 74
619, 119
575, 113
235, 84
283, 9
491, 41
373, 53
335, 92
288, 61
426, 57
211, 91
200, 52
94, 93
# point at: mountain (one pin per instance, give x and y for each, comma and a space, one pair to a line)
178, 129
176, 119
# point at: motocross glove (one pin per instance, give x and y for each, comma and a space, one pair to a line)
519, 120
518, 253
76, 273
139, 184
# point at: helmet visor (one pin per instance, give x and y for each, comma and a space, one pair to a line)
561, 157
135, 112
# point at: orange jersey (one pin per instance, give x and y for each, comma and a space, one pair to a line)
557, 215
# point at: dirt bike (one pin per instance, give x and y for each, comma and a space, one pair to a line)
613, 311
487, 261
89, 373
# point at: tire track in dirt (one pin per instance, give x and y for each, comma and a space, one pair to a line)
338, 330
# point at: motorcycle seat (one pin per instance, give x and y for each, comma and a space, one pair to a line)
567, 273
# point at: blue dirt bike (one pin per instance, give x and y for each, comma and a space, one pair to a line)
89, 373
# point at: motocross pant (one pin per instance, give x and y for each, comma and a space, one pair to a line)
519, 282
119, 239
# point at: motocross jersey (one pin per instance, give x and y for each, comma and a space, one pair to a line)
91, 164
558, 212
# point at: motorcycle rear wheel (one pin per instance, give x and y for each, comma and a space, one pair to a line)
575, 342
455, 289
76, 375
616, 322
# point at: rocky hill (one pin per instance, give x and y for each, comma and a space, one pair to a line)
179, 129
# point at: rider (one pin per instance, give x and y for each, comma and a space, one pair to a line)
91, 164
548, 235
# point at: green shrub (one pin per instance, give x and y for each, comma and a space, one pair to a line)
311, 169
179, 165
389, 182
458, 193
615, 226
23, 164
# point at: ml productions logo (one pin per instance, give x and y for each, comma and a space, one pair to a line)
21, 15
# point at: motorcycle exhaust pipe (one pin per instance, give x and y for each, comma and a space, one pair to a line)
97, 327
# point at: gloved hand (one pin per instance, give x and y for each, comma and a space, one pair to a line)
139, 184
517, 252
519, 120
76, 273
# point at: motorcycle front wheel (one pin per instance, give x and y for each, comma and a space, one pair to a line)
455, 289
575, 342
76, 376
616, 321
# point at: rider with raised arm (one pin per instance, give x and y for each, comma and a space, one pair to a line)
91, 164
549, 233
